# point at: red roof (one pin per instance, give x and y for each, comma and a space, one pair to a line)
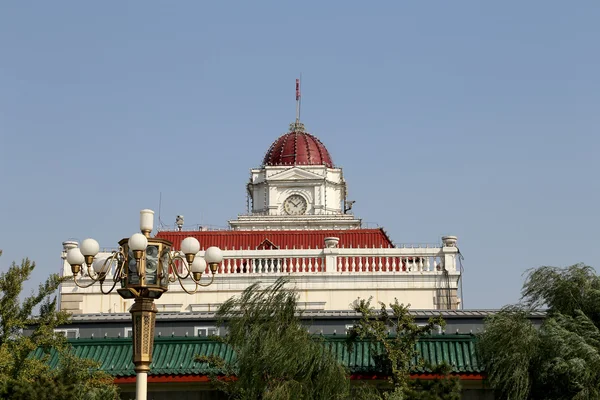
276, 239
298, 148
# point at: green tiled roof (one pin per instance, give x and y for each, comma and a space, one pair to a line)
175, 355
457, 350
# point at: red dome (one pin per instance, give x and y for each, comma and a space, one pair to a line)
298, 148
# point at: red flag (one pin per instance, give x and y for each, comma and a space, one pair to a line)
297, 89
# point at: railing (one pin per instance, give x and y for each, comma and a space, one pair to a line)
335, 260
338, 260
417, 245
192, 228
272, 261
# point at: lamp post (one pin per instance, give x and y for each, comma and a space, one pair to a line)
143, 267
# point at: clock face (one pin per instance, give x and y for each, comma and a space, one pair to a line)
295, 205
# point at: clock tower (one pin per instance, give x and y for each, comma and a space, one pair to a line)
296, 187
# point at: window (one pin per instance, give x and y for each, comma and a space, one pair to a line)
71, 333
128, 332
210, 307
436, 329
205, 331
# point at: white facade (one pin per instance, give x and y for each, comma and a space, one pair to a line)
324, 188
297, 197
330, 278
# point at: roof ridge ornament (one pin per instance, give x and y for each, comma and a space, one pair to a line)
297, 127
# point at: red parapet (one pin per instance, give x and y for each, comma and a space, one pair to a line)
282, 240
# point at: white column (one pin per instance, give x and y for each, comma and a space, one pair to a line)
141, 386
331, 252
449, 252
330, 259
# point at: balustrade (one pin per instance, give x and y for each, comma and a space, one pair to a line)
272, 262
337, 260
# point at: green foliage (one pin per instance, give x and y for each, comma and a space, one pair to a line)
564, 290
561, 359
510, 348
393, 335
276, 358
24, 377
75, 379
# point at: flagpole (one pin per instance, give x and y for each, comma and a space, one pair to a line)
297, 100
299, 96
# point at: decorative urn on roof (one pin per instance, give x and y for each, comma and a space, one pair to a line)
331, 242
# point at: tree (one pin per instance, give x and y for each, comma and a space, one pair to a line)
25, 377
561, 358
275, 357
393, 335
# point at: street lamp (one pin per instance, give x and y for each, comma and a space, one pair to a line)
144, 267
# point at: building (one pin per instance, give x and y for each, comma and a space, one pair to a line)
181, 336
300, 225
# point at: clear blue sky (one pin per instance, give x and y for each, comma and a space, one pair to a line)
478, 119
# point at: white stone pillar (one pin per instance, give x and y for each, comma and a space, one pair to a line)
330, 260
449, 252
331, 253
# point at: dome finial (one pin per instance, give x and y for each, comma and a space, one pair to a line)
297, 127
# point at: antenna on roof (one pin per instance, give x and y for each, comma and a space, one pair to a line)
160, 223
